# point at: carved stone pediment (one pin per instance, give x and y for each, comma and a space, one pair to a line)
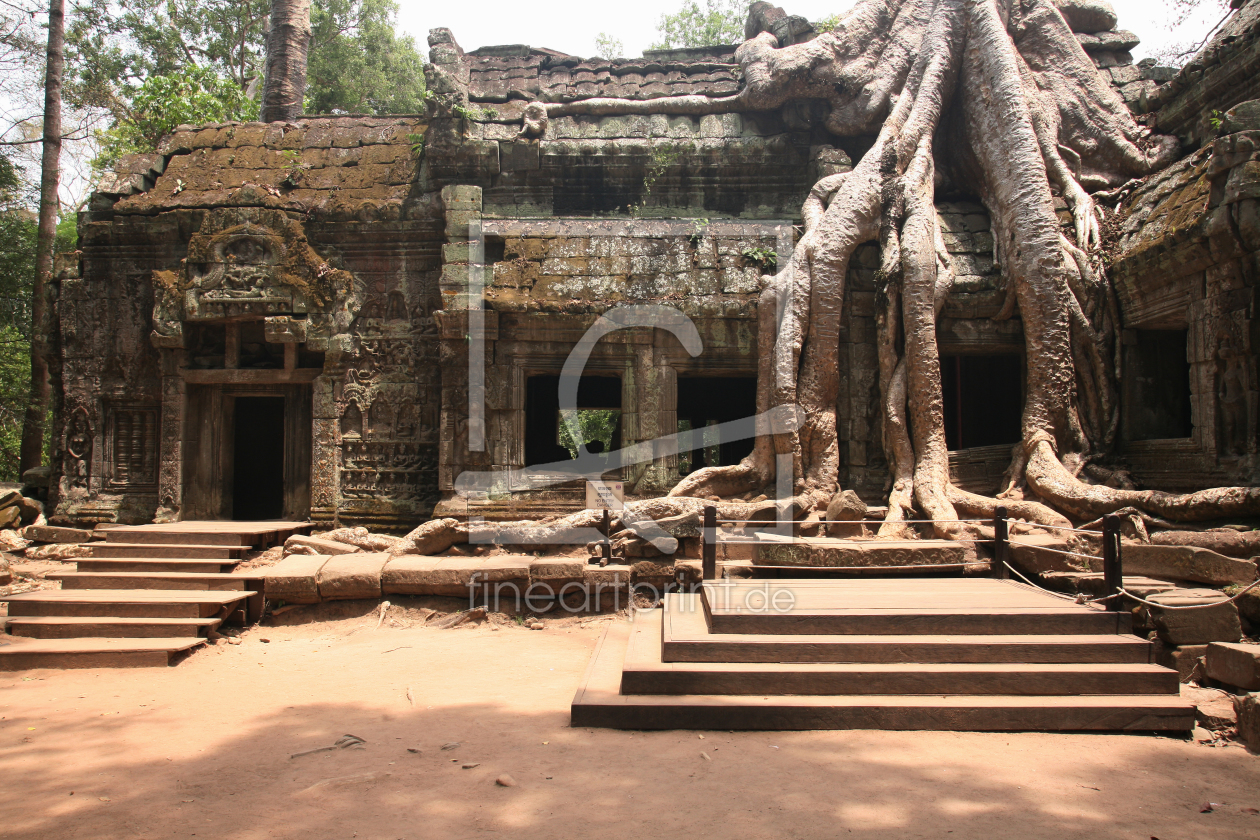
252, 262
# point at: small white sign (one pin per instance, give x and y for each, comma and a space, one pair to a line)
605, 495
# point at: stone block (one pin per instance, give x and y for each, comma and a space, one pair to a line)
330, 548
1245, 116
10, 517
1248, 708
1183, 562
415, 575
50, 534
1182, 659
1088, 16
611, 576
777, 550
352, 576
1194, 627
552, 568
1234, 664
295, 579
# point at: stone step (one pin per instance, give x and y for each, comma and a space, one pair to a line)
154, 564
686, 638
93, 652
645, 672
153, 580
778, 550
918, 607
598, 702
1094, 584
68, 627
126, 603
198, 552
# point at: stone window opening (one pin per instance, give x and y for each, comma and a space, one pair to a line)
703, 403
983, 398
1156, 387
599, 409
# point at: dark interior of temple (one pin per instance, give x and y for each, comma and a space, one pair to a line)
1157, 384
709, 400
258, 460
984, 399
542, 413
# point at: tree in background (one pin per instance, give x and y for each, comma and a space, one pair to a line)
42, 321
606, 46
127, 59
702, 24
288, 42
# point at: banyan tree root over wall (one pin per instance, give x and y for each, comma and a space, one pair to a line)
995, 93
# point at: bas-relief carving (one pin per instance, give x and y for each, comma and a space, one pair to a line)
247, 262
1234, 392
79, 445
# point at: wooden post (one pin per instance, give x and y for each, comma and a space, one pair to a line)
1113, 570
607, 538
708, 543
1001, 545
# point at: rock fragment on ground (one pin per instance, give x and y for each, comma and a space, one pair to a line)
1234, 664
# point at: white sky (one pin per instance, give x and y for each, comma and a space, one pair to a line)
571, 25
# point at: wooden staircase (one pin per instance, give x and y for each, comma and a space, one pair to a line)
943, 654
146, 596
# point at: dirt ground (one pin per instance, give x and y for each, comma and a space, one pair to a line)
203, 749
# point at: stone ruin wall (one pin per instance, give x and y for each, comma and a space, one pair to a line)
390, 201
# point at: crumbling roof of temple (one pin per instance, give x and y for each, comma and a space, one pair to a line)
502, 73
1168, 207
337, 167
1225, 72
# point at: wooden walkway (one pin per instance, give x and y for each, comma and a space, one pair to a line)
961, 654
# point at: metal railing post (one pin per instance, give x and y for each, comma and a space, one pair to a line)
1113, 567
708, 543
1001, 545
607, 539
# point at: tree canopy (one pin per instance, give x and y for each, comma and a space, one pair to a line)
702, 23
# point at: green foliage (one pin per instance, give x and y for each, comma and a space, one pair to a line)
17, 272
593, 424
826, 24
358, 64
193, 95
606, 46
702, 23
417, 145
1216, 119
153, 64
764, 257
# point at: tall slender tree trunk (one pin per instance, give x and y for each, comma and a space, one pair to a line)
287, 43
42, 325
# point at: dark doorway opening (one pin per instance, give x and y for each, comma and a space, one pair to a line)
706, 401
258, 460
1157, 386
599, 414
984, 399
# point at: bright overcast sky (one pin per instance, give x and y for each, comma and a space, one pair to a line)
571, 25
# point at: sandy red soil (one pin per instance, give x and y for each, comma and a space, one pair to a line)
203, 749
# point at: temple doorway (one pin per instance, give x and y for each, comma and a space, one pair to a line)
247, 452
258, 468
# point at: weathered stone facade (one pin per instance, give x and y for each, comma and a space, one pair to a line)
362, 273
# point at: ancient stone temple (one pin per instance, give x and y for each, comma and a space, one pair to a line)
336, 318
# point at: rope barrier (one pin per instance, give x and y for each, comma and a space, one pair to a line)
1078, 599
1126, 592
1056, 551
1066, 528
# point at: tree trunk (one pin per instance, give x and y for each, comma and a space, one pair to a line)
287, 43
42, 326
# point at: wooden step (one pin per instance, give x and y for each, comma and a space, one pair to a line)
69, 627
126, 603
93, 653
646, 673
229, 533
686, 638
198, 552
136, 536
598, 702
154, 564
934, 607
153, 580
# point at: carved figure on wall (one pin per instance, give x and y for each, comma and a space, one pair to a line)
79, 449
1233, 428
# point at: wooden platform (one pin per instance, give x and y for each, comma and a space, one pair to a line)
961, 654
149, 594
